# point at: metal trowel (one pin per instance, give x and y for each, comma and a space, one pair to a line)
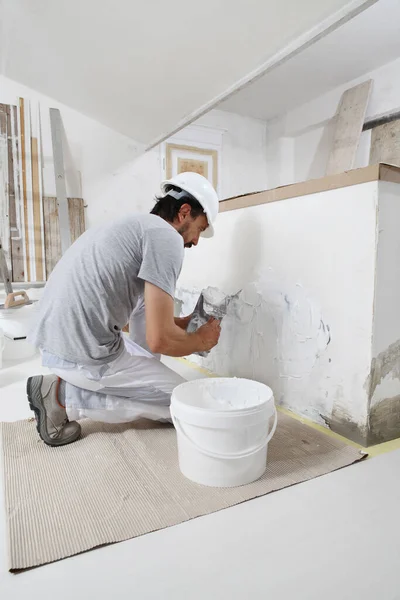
211, 303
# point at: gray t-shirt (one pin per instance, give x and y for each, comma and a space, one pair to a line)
99, 281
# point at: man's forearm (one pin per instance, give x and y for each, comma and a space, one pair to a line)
176, 342
164, 332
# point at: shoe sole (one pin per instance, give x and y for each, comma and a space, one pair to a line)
33, 387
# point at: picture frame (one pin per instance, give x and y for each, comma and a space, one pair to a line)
180, 158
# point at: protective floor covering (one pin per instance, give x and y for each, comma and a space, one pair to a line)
121, 481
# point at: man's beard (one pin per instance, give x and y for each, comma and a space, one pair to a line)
182, 231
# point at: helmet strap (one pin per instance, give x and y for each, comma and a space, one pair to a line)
177, 195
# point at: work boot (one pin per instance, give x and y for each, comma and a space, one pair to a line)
51, 417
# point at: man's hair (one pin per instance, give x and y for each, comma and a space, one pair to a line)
167, 207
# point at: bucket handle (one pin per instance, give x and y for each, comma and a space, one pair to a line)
250, 452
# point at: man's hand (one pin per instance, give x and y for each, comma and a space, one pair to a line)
163, 335
209, 334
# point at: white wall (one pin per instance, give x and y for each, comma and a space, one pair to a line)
244, 140
300, 275
112, 172
299, 141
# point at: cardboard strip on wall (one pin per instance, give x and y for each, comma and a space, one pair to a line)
378, 172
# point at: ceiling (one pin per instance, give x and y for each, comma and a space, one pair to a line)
145, 68
366, 42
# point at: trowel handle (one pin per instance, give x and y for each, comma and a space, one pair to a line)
11, 299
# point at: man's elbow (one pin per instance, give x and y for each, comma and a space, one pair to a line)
156, 344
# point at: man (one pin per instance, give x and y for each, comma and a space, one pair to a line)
120, 271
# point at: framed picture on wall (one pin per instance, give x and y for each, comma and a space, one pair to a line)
181, 158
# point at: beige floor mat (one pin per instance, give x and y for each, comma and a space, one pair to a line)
121, 481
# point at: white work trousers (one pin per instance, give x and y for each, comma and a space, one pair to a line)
135, 385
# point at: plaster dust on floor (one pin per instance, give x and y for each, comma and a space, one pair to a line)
273, 332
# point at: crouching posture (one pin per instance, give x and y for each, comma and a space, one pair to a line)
124, 271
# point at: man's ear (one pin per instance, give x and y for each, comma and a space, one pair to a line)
184, 211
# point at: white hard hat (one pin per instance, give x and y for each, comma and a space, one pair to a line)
201, 189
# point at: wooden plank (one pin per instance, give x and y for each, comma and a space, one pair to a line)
24, 186
29, 190
40, 163
52, 243
385, 144
61, 189
4, 206
37, 219
16, 246
5, 276
349, 118
16, 140
52, 229
12, 217
76, 213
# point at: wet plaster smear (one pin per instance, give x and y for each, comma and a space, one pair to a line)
273, 332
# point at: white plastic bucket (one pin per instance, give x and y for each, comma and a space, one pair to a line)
222, 429
16, 323
18, 350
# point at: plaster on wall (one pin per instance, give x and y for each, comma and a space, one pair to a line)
273, 332
309, 240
